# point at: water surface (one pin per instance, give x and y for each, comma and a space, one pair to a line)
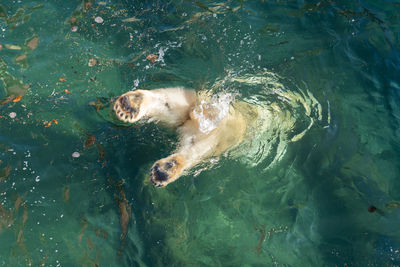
306, 201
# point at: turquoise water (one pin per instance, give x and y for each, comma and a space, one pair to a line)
313, 206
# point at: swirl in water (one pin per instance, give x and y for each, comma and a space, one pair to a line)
276, 115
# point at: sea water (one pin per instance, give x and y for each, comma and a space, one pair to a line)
316, 182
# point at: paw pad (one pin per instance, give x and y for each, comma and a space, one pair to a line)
165, 171
127, 106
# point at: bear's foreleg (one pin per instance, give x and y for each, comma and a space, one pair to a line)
192, 150
170, 106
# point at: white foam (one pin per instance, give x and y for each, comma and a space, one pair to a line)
216, 109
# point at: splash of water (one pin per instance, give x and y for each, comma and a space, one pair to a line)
209, 112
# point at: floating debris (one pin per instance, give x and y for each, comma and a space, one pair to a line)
48, 124
99, 104
66, 194
12, 47
20, 17
74, 28
99, 20
373, 209
92, 62
80, 12
84, 224
20, 58
17, 99
7, 100
12, 115
262, 232
76, 155
13, 86
125, 211
33, 43
1, 46
392, 205
18, 202
101, 152
152, 58
88, 5
5, 173
90, 140
133, 19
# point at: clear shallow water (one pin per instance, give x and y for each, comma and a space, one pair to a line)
309, 208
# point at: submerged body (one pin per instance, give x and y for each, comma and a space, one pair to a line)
182, 109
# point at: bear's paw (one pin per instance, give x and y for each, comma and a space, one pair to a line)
167, 170
127, 106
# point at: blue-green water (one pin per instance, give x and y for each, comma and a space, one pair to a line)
310, 208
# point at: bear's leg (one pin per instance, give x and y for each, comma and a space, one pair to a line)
196, 146
169, 106
190, 152
169, 169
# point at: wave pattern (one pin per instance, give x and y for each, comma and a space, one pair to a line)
277, 115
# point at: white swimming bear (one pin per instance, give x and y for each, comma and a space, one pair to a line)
205, 128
